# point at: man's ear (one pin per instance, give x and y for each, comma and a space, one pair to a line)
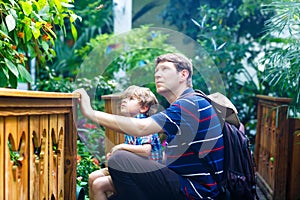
144, 109
185, 74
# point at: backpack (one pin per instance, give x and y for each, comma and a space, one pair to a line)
238, 180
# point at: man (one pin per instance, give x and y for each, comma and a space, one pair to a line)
195, 141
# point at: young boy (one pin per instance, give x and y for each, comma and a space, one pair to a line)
138, 102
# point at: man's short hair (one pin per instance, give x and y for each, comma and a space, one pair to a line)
180, 61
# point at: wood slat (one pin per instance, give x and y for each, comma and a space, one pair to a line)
53, 140
70, 152
35, 94
61, 123
35, 162
24, 157
21, 102
294, 175
2, 156
11, 170
33, 111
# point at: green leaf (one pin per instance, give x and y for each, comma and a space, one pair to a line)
45, 45
27, 8
28, 33
10, 22
13, 80
31, 51
12, 68
24, 73
42, 3
58, 5
36, 32
66, 5
3, 78
4, 35
74, 31
4, 29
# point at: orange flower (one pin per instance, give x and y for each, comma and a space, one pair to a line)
96, 161
45, 37
48, 25
21, 35
13, 47
78, 158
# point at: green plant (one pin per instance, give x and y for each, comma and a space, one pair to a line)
28, 31
86, 164
281, 61
228, 31
96, 19
132, 53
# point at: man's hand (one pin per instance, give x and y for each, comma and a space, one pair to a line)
85, 104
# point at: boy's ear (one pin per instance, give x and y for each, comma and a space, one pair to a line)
144, 109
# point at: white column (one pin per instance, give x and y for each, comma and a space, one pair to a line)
122, 10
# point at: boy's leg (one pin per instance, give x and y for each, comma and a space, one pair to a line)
92, 177
101, 186
135, 177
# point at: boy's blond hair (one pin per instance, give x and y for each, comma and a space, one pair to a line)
144, 96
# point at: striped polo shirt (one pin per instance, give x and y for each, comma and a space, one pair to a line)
194, 136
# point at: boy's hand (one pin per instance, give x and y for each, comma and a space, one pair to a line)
85, 104
117, 147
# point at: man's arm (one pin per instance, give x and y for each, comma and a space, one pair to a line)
129, 125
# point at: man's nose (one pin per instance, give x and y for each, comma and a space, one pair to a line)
157, 74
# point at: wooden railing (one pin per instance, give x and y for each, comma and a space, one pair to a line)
37, 145
112, 105
276, 149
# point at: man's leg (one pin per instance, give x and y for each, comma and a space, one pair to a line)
137, 178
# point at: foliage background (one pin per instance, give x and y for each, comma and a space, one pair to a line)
254, 44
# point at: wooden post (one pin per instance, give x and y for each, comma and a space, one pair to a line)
112, 105
37, 145
294, 163
272, 146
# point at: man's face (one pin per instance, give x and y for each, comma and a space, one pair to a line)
167, 78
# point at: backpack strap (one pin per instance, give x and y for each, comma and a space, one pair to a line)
223, 106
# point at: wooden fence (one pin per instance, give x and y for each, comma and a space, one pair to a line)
37, 145
277, 149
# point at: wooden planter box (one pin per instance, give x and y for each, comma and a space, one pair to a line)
276, 151
38, 129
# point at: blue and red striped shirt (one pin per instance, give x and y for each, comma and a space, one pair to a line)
194, 136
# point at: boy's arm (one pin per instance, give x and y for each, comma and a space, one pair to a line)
143, 150
133, 126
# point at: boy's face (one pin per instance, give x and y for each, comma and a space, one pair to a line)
130, 106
